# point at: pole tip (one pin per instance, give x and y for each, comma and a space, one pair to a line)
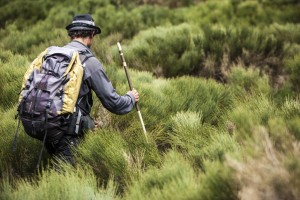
119, 46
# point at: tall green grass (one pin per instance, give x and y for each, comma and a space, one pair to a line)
207, 51
11, 76
78, 183
176, 179
218, 84
21, 162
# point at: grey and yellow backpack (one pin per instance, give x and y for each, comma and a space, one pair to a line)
50, 92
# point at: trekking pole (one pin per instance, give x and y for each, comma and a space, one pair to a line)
130, 86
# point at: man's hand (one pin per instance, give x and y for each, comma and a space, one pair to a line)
135, 94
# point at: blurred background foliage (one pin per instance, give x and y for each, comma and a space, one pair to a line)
219, 84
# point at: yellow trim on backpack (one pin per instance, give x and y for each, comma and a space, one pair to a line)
72, 87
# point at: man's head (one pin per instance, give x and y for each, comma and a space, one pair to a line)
83, 27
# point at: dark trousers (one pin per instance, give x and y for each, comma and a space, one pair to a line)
62, 148
61, 137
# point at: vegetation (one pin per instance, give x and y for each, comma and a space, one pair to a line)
219, 85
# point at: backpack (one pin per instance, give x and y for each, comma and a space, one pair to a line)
49, 93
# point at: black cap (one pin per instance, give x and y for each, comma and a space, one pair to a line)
83, 22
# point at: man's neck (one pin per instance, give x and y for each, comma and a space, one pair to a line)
82, 40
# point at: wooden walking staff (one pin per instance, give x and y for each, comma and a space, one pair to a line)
130, 86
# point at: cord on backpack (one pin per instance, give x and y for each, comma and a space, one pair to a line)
45, 136
16, 135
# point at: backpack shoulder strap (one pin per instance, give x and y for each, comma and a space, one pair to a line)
85, 55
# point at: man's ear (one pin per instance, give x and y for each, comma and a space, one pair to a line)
92, 35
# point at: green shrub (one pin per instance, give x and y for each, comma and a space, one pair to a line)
279, 133
251, 11
294, 127
291, 107
174, 180
186, 132
293, 65
288, 32
291, 113
209, 12
129, 21
29, 37
105, 152
67, 184
205, 96
218, 177
11, 76
198, 141
249, 81
292, 165
21, 162
168, 51
219, 145
23, 13
249, 113
142, 151
224, 46
187, 50
153, 103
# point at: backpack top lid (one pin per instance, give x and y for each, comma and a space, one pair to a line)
60, 50
83, 22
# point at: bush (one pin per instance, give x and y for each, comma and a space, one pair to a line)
23, 13
168, 182
287, 32
188, 50
293, 65
172, 182
11, 76
291, 112
129, 21
205, 96
225, 46
104, 152
249, 113
279, 133
218, 177
70, 183
248, 81
23, 161
198, 141
28, 38
165, 51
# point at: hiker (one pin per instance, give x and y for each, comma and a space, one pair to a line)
82, 30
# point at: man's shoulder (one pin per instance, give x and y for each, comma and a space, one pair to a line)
92, 61
92, 65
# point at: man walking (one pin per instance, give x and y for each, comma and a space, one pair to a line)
82, 30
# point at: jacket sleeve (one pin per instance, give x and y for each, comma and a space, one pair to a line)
110, 99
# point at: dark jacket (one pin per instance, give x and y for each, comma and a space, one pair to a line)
96, 79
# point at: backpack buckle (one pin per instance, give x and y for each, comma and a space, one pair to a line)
48, 105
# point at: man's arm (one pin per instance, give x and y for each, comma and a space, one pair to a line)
108, 96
